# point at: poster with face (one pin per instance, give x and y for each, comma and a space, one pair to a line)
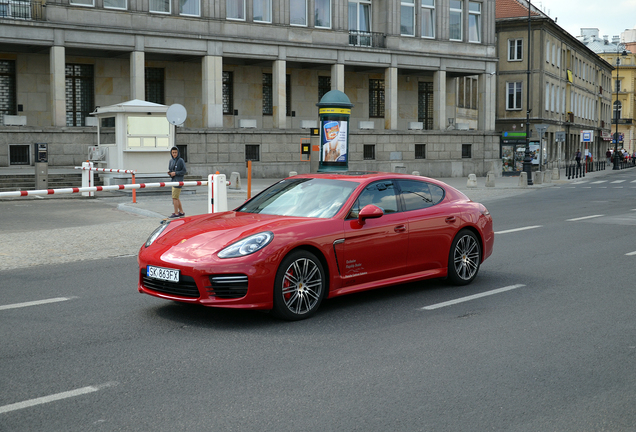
334, 141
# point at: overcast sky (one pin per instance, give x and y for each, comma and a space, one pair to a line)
611, 17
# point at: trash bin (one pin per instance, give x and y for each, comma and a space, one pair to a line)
334, 110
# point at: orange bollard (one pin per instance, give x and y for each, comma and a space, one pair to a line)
134, 191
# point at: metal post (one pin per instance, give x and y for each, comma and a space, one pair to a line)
618, 62
527, 160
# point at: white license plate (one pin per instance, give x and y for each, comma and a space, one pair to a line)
163, 273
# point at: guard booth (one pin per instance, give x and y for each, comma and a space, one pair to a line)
334, 110
141, 139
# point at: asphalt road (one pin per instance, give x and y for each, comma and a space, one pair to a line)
553, 350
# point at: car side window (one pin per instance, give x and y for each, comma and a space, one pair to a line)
419, 195
381, 194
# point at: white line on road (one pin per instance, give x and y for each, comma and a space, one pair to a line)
618, 181
583, 218
35, 303
518, 229
54, 397
631, 253
598, 182
472, 297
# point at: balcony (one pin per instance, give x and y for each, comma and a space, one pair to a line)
366, 39
22, 10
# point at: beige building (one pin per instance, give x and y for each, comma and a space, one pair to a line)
249, 73
570, 89
622, 56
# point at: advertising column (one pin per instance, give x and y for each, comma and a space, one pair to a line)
334, 111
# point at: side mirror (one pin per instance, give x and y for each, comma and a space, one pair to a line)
369, 212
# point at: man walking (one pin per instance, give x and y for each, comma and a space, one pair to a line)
176, 170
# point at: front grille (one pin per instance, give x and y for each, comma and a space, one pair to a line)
186, 287
228, 286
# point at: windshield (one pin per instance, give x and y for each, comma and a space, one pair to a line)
318, 198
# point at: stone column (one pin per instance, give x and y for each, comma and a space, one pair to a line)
487, 101
391, 98
279, 94
439, 100
58, 85
137, 75
337, 77
212, 87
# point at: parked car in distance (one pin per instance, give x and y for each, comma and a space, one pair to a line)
316, 236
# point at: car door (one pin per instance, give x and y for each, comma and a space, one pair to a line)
376, 249
432, 224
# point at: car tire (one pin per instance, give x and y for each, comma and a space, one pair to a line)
300, 286
464, 258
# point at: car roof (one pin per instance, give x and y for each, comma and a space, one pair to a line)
362, 176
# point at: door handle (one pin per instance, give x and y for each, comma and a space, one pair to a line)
450, 219
400, 228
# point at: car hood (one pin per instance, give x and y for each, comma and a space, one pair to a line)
192, 239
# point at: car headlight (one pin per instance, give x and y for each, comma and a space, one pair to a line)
155, 234
247, 246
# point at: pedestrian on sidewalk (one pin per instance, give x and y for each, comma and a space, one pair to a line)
578, 158
176, 170
608, 155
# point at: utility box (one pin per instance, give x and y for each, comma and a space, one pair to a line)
41, 175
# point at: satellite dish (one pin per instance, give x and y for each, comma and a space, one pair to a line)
176, 114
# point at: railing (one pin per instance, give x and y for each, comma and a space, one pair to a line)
367, 39
25, 10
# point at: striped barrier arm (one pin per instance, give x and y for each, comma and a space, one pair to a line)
99, 188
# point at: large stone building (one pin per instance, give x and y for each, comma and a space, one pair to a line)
569, 89
250, 72
621, 56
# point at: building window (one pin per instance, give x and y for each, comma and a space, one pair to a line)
252, 152
323, 13
455, 18
547, 52
154, 83
90, 3
79, 93
190, 7
376, 98
268, 95
618, 110
7, 89
228, 93
547, 97
467, 150
298, 12
235, 9
474, 22
515, 49
407, 18
324, 86
160, 6
420, 151
369, 152
428, 18
425, 104
263, 11
115, 4
360, 21
514, 96
183, 151
467, 92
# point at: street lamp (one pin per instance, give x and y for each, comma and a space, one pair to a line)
527, 159
619, 47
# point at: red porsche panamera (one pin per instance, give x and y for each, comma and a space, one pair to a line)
311, 237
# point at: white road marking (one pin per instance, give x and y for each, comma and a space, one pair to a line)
583, 218
598, 182
631, 253
472, 297
618, 181
518, 229
35, 303
54, 397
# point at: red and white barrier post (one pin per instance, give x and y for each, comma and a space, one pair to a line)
217, 193
87, 177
